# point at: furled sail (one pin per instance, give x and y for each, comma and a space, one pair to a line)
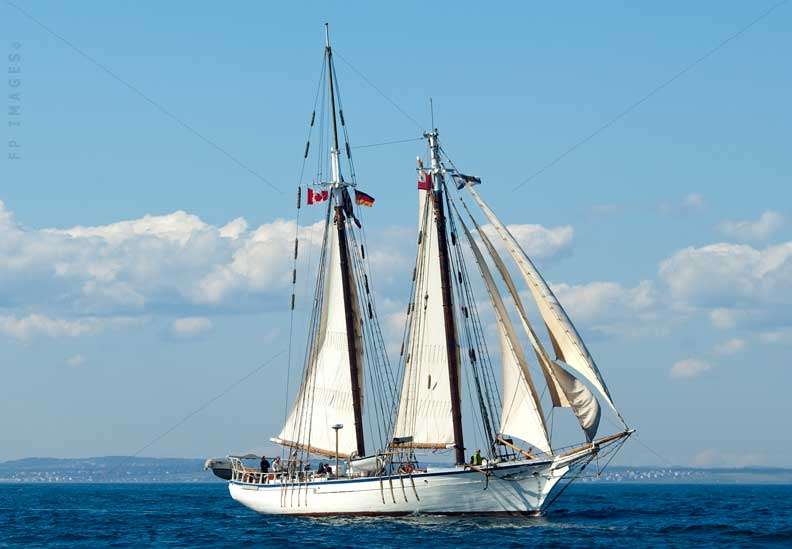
568, 345
521, 413
565, 390
325, 397
424, 412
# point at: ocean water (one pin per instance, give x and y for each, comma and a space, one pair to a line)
188, 515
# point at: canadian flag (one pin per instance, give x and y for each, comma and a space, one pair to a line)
314, 197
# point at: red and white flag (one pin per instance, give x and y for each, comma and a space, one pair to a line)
314, 197
424, 180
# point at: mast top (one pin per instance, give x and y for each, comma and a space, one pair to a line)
434, 148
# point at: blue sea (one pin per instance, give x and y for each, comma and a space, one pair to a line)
195, 515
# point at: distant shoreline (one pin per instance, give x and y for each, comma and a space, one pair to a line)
138, 470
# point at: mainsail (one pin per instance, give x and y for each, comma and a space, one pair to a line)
325, 398
568, 345
424, 411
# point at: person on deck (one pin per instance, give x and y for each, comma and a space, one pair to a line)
265, 464
276, 465
475, 459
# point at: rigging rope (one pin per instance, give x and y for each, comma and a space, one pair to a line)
296, 245
383, 143
379, 91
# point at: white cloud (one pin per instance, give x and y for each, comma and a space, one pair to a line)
176, 227
723, 319
76, 360
688, 205
779, 336
233, 229
729, 280
190, 326
258, 263
688, 368
693, 200
133, 267
730, 347
538, 241
746, 230
610, 308
25, 328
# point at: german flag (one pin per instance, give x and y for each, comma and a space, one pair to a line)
363, 199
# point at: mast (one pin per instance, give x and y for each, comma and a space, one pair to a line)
448, 305
339, 190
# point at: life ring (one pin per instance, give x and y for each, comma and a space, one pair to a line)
407, 468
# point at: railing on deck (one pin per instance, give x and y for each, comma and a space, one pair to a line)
250, 475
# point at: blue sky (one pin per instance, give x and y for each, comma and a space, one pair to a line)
667, 236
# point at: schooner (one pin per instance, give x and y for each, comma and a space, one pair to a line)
375, 425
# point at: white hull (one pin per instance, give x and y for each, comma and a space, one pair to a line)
513, 488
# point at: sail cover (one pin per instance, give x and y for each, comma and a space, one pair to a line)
325, 397
568, 345
425, 404
521, 413
565, 390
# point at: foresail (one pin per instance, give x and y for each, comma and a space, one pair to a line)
557, 395
521, 412
568, 345
518, 416
325, 397
582, 401
424, 411
565, 390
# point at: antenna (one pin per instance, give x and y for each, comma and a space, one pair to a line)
431, 110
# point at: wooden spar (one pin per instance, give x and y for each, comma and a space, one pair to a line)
525, 453
307, 448
598, 442
448, 320
351, 329
420, 445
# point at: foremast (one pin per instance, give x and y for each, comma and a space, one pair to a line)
340, 197
345, 345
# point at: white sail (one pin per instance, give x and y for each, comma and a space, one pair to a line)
425, 404
565, 390
521, 413
582, 401
517, 414
568, 345
325, 398
555, 389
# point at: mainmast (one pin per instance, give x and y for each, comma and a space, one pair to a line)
448, 304
340, 197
